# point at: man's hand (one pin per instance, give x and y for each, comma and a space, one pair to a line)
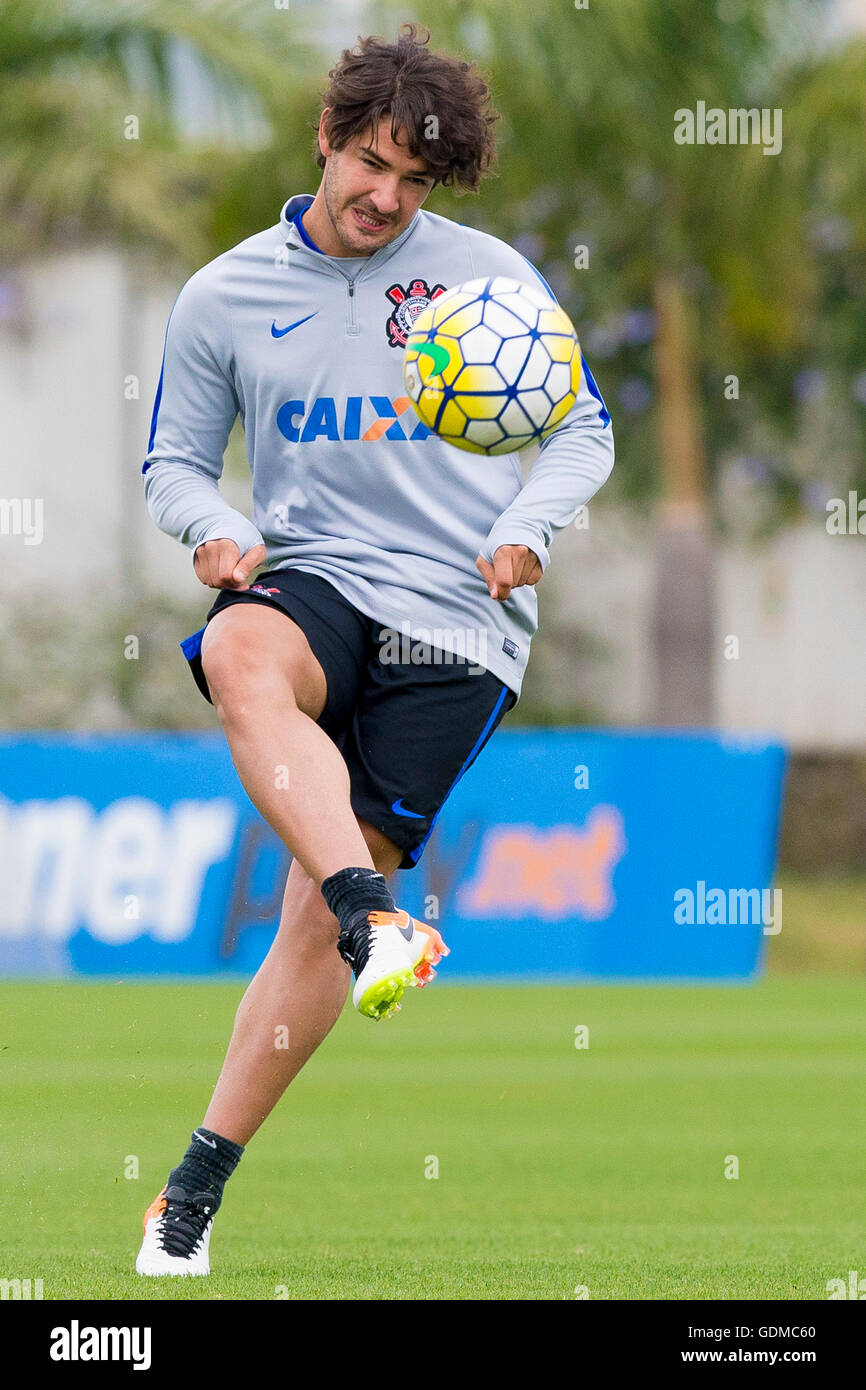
220, 565
513, 565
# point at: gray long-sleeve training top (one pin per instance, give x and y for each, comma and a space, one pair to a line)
347, 482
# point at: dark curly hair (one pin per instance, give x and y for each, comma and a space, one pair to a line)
411, 84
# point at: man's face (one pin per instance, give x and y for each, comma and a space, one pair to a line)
372, 189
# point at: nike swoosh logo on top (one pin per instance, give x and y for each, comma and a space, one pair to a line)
205, 1141
281, 332
406, 932
400, 810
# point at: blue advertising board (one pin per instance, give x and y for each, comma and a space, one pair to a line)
563, 853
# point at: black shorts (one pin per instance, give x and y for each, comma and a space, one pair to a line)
408, 731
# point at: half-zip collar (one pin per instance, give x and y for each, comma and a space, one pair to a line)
289, 232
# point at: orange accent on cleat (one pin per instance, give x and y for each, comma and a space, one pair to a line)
156, 1208
400, 918
432, 954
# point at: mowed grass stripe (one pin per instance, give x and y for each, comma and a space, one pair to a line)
558, 1167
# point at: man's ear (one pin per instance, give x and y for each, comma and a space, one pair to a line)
324, 144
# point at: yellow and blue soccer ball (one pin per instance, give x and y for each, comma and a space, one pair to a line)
492, 365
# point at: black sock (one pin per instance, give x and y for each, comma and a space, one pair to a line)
350, 895
207, 1164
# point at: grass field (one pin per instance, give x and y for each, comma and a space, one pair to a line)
558, 1168
824, 924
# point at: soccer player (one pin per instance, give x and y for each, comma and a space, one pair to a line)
371, 527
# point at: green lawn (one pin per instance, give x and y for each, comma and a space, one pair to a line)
823, 924
559, 1168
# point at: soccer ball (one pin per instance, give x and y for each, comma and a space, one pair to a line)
492, 365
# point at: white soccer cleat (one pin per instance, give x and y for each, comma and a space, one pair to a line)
393, 952
177, 1229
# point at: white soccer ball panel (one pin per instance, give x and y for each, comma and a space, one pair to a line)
511, 357
537, 405
513, 443
485, 433
480, 344
536, 369
534, 292
501, 321
412, 381
503, 285
515, 420
521, 306
471, 287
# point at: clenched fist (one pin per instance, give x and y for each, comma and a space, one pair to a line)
220, 565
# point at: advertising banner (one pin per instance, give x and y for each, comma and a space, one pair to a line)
562, 853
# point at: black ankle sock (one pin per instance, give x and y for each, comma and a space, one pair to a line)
356, 891
350, 895
207, 1164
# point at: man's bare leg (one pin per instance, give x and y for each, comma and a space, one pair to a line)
291, 1004
269, 690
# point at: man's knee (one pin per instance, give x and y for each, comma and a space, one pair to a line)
251, 653
236, 672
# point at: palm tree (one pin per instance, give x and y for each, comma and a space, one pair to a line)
94, 141
100, 143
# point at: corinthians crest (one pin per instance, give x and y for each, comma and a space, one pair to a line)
408, 304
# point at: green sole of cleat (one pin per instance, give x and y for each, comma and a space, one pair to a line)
383, 999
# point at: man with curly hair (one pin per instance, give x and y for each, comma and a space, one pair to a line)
369, 525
